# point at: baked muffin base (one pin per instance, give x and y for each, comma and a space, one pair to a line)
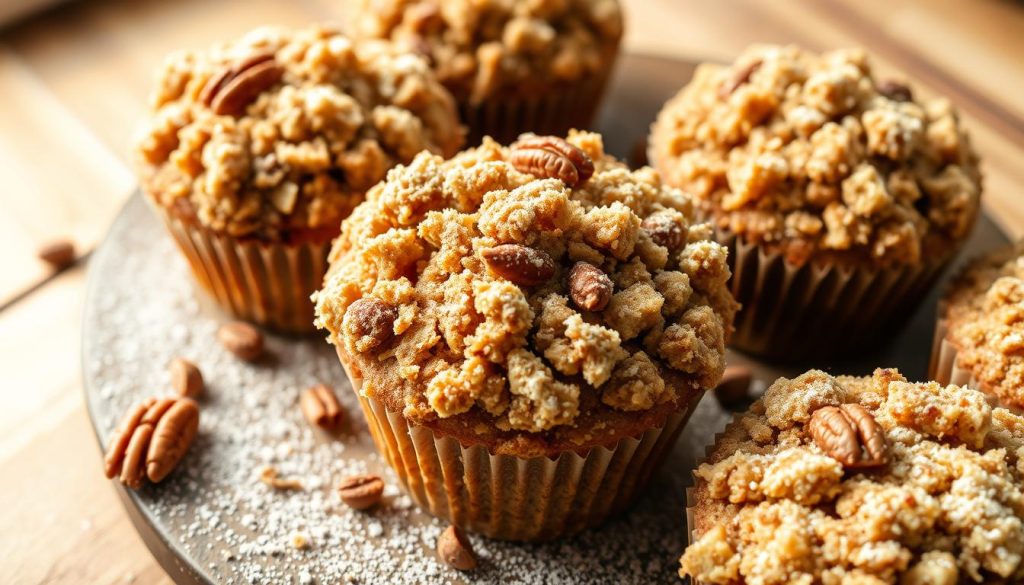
514, 498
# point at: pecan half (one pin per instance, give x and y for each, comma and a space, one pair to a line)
151, 440
589, 287
186, 379
850, 435
519, 264
895, 90
455, 550
235, 86
739, 77
241, 339
552, 157
664, 231
320, 406
361, 491
370, 320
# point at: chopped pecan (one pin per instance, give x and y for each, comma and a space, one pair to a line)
320, 406
850, 435
186, 379
271, 477
235, 86
241, 339
552, 157
589, 287
738, 78
664, 231
58, 254
895, 90
455, 549
371, 320
519, 264
151, 440
361, 491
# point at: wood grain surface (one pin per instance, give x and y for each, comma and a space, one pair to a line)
74, 82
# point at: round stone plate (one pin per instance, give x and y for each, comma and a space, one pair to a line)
214, 521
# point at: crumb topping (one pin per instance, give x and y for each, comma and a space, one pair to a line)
486, 48
469, 262
774, 507
985, 308
812, 155
296, 147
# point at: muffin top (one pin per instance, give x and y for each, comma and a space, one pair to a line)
530, 297
985, 312
487, 48
812, 157
284, 131
862, 480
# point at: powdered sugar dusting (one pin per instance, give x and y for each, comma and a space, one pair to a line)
142, 312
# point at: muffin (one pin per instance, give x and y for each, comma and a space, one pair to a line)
257, 149
513, 67
979, 334
841, 196
527, 328
861, 480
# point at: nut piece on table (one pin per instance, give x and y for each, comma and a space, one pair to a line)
360, 492
320, 406
589, 287
455, 549
241, 339
519, 264
271, 477
58, 254
734, 389
850, 435
186, 379
151, 440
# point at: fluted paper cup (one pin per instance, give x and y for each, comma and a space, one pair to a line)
267, 283
943, 366
793, 312
514, 498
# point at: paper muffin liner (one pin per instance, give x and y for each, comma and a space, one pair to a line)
514, 498
794, 312
265, 283
554, 112
942, 367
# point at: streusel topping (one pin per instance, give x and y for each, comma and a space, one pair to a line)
812, 155
486, 48
453, 278
773, 506
287, 130
985, 309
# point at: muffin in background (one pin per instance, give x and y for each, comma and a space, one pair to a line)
979, 332
840, 195
861, 480
527, 328
513, 67
257, 149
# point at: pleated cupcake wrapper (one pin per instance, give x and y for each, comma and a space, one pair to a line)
553, 113
265, 283
513, 498
793, 312
942, 366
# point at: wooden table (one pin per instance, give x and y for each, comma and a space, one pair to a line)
74, 83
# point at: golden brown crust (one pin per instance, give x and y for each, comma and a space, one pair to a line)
496, 340
951, 485
812, 156
283, 132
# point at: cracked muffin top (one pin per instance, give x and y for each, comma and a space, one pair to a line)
283, 131
862, 480
811, 156
540, 289
985, 312
500, 48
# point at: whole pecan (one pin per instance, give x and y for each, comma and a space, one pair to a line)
371, 320
235, 86
850, 435
552, 157
151, 440
455, 549
320, 406
361, 491
589, 287
664, 230
519, 264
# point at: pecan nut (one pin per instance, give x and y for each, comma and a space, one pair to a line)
186, 379
241, 339
151, 440
850, 435
664, 231
271, 477
589, 287
58, 254
371, 321
895, 90
361, 491
739, 76
734, 389
519, 264
320, 406
552, 157
235, 86
455, 550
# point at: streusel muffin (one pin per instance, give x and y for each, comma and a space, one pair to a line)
539, 66
257, 149
528, 328
841, 196
861, 480
979, 334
